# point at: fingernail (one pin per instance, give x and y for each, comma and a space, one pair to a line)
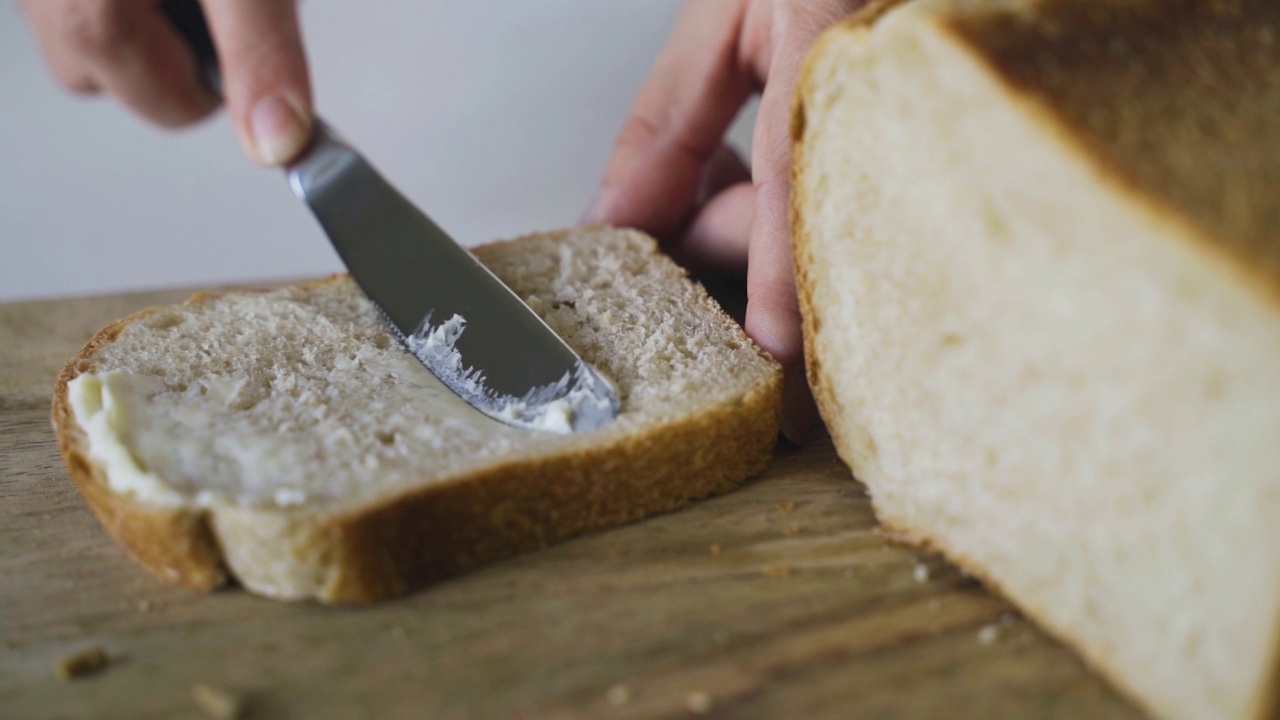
280, 130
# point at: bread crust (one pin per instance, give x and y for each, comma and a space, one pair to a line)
175, 543
1174, 101
422, 536
522, 506
1002, 37
823, 394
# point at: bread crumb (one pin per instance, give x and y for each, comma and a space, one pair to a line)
217, 702
615, 553
698, 702
1006, 619
85, 662
934, 606
988, 634
144, 606
792, 530
721, 636
1026, 637
777, 571
399, 632
786, 507
715, 548
920, 572
618, 695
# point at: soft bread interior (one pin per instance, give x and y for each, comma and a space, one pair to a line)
1039, 373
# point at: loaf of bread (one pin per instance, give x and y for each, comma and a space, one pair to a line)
285, 438
1038, 251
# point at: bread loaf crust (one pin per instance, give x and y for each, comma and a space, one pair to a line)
1110, 80
1176, 100
425, 535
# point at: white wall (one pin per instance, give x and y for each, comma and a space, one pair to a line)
496, 116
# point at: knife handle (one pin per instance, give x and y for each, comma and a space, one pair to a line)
187, 18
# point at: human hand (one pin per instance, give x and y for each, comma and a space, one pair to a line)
128, 48
670, 175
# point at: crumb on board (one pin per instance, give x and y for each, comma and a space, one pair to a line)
786, 507
217, 702
144, 606
988, 634
619, 694
715, 548
934, 606
721, 636
920, 572
398, 632
83, 663
1007, 619
698, 702
779, 571
614, 553
793, 530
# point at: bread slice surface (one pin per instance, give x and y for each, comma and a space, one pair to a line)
1035, 246
285, 438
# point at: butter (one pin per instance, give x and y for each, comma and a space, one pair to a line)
205, 446
257, 434
555, 416
97, 404
580, 391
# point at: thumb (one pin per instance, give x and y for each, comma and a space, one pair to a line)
264, 70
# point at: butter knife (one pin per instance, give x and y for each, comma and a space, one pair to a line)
467, 327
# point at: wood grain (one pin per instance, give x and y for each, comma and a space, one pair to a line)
780, 600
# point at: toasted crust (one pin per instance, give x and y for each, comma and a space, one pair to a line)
436, 532
525, 506
1120, 121
1177, 100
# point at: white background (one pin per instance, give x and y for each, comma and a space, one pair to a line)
495, 116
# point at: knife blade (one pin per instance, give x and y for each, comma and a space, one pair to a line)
462, 322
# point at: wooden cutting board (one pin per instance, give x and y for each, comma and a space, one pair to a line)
779, 600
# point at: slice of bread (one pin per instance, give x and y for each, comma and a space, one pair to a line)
1038, 251
285, 438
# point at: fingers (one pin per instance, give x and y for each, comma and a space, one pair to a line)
719, 235
676, 125
773, 310
142, 61
264, 75
67, 67
720, 51
124, 47
129, 49
716, 238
